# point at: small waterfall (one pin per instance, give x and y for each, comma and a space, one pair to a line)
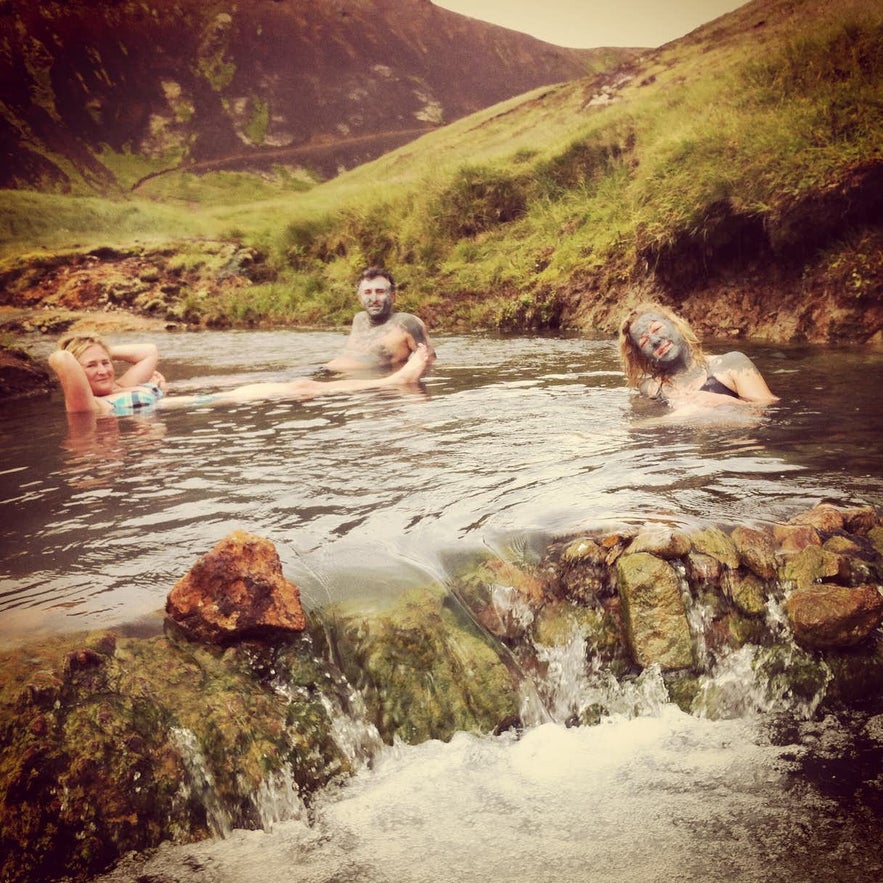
757, 680
511, 607
354, 733
277, 799
202, 783
577, 688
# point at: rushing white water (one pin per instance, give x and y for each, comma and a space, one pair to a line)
660, 797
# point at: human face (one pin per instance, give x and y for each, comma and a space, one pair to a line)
377, 298
658, 340
98, 365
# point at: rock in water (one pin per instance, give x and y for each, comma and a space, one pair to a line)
236, 591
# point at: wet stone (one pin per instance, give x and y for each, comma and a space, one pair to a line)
654, 612
665, 543
712, 541
826, 616
236, 591
756, 551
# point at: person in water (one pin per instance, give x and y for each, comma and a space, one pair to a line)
84, 364
663, 359
380, 338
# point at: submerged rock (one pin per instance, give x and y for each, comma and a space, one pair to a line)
236, 591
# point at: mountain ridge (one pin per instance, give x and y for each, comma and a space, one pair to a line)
148, 85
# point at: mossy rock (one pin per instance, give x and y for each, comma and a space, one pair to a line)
424, 674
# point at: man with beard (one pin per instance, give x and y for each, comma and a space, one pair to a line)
381, 340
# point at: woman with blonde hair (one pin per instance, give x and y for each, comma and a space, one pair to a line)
84, 364
663, 359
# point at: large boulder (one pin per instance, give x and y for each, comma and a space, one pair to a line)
234, 592
829, 616
654, 612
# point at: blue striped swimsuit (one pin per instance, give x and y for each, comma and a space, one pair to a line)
126, 402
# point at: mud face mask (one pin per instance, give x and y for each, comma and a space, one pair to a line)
658, 340
376, 297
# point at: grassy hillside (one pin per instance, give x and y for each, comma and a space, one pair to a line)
98, 95
747, 156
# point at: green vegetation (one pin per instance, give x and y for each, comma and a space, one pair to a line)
736, 134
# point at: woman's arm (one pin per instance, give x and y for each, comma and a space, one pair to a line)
78, 396
741, 374
143, 358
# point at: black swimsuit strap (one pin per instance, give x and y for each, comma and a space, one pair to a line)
715, 385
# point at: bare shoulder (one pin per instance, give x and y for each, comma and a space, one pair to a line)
360, 321
738, 372
411, 324
733, 361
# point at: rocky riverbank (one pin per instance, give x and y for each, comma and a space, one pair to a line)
118, 741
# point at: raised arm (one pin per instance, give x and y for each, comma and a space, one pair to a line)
78, 396
143, 357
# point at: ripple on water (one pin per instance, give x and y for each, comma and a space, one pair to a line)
512, 440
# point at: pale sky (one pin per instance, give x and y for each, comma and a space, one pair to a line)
588, 24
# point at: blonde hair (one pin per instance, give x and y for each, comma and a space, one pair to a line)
79, 343
634, 364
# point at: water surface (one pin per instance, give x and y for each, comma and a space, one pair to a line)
510, 442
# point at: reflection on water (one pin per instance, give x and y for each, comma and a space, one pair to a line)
513, 441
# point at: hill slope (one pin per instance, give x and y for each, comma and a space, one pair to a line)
736, 174
98, 94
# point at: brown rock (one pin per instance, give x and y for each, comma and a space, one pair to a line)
746, 591
236, 591
827, 616
715, 543
860, 519
825, 517
813, 564
703, 569
756, 551
795, 537
664, 542
584, 551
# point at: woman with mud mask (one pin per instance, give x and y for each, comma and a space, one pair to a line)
663, 359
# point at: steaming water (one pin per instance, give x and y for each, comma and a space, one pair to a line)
511, 442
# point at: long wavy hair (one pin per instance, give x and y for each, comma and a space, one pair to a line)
79, 343
636, 367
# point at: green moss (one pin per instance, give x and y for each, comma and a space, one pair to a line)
423, 674
259, 122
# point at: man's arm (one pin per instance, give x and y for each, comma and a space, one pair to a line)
417, 334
